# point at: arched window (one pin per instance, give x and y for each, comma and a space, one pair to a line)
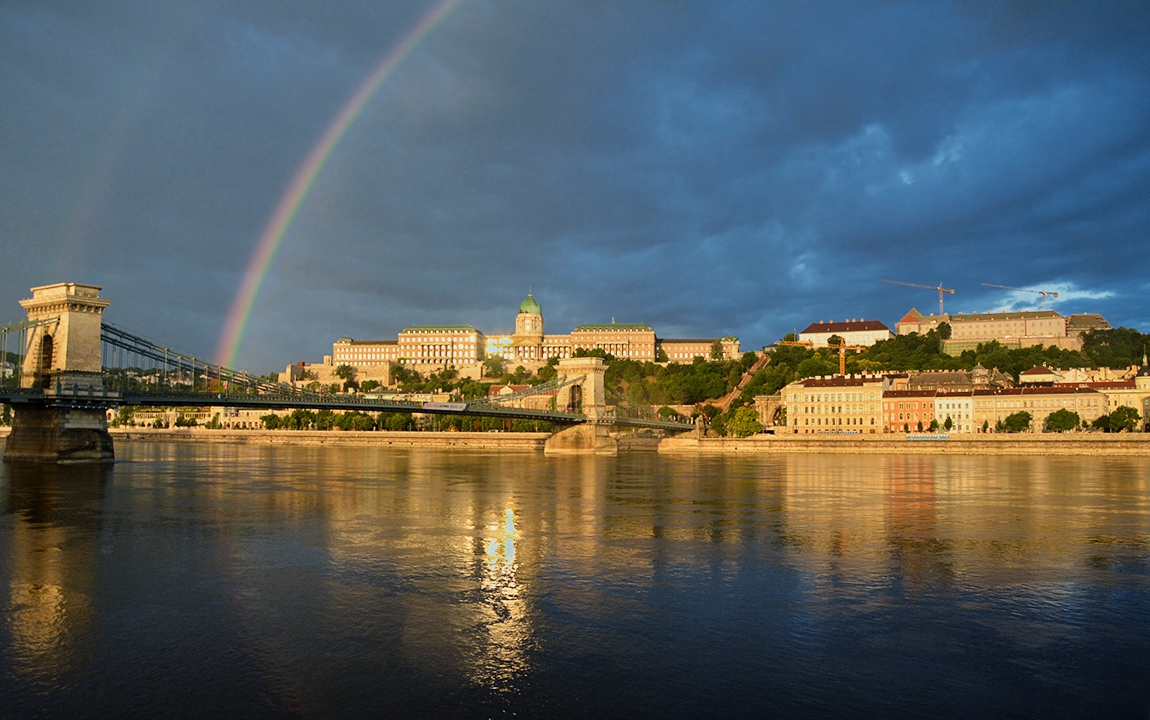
45, 370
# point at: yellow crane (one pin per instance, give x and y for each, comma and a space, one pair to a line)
1043, 293
842, 347
939, 288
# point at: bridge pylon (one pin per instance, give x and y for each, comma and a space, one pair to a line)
589, 398
63, 354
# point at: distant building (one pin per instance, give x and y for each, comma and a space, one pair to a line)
1085, 322
854, 332
685, 350
1025, 328
463, 346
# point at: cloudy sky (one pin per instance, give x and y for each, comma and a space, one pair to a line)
705, 167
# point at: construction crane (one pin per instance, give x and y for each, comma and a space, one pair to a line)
842, 347
938, 288
1043, 293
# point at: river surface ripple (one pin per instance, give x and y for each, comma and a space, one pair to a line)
202, 581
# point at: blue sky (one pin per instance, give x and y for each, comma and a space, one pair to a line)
707, 168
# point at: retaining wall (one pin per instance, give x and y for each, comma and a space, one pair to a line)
1022, 444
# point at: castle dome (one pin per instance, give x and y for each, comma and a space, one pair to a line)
530, 305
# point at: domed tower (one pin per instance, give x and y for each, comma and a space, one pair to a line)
528, 337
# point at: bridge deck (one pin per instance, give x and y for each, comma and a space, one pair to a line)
108, 399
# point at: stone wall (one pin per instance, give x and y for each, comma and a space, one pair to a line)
1022, 444
475, 440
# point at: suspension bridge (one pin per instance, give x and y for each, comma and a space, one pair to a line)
64, 368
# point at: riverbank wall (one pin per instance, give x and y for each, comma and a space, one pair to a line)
1022, 444
517, 442
1123, 444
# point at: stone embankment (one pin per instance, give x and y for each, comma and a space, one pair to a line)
1044, 444
527, 442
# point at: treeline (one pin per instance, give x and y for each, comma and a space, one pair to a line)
1115, 348
358, 420
675, 384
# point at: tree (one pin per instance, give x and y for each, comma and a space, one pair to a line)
1017, 422
344, 372
493, 367
934, 425
744, 422
272, 421
1062, 420
948, 424
944, 331
1102, 422
547, 372
1124, 419
369, 385
717, 350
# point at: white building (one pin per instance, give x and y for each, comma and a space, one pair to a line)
854, 332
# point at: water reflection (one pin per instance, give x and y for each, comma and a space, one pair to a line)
49, 554
329, 581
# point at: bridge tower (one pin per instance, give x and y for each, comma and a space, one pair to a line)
589, 398
63, 359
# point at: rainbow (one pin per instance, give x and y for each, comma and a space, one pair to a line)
281, 220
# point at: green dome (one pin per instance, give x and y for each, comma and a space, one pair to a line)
530, 305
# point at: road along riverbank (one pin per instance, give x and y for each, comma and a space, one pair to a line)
925, 444
520, 442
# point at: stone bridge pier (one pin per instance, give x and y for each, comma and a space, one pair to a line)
63, 355
589, 398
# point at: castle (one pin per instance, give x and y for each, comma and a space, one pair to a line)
435, 347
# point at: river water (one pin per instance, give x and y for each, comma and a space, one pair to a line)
200, 581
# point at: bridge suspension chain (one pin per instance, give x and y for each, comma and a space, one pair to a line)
128, 356
546, 388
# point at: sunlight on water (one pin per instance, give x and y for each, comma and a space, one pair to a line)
351, 581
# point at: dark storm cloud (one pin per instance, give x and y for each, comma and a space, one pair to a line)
707, 168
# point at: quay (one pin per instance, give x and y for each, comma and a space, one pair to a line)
1098, 444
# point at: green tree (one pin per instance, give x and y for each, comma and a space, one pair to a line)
717, 350
1124, 419
1102, 422
1017, 422
948, 424
744, 422
344, 372
272, 421
1062, 420
493, 367
933, 427
547, 372
369, 385
944, 331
